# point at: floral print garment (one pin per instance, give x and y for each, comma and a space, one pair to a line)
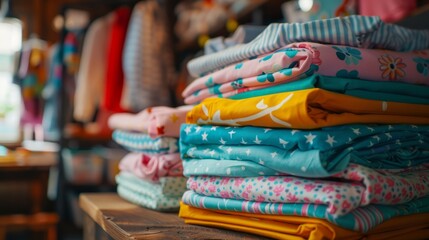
299, 60
353, 31
354, 187
152, 167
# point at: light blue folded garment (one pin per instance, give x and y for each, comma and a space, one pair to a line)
143, 200
164, 195
306, 153
141, 142
165, 187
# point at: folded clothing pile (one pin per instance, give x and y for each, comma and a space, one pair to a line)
297, 139
151, 175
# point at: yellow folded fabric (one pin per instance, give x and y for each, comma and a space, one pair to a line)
305, 109
413, 226
253, 223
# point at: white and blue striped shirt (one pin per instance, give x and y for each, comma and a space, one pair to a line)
355, 31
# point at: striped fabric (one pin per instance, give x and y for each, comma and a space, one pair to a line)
141, 142
147, 59
361, 219
355, 31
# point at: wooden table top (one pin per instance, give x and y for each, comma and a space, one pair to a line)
30, 161
124, 220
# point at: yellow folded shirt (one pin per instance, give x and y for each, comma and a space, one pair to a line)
413, 226
305, 109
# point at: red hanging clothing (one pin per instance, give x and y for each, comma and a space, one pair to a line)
114, 72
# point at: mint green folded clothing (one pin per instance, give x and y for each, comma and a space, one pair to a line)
165, 187
144, 200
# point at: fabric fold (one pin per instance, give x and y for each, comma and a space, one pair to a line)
300, 60
143, 200
249, 151
362, 219
305, 109
165, 186
413, 226
353, 31
140, 142
152, 167
357, 186
156, 121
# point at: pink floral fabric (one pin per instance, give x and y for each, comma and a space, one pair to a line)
299, 60
354, 187
152, 167
156, 121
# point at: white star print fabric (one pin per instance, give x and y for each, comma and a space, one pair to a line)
249, 151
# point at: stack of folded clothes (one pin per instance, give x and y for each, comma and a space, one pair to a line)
151, 175
295, 139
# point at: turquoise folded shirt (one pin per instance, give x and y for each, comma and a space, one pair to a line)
307, 153
375, 90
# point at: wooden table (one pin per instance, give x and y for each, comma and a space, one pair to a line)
33, 169
123, 220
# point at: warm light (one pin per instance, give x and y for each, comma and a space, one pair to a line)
10, 94
10, 35
305, 5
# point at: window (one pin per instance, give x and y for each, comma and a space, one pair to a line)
10, 98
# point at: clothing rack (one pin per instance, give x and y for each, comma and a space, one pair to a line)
96, 8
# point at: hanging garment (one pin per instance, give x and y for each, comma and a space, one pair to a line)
91, 76
353, 31
152, 167
114, 73
156, 121
148, 59
412, 226
308, 153
362, 219
141, 142
51, 95
33, 76
71, 51
305, 109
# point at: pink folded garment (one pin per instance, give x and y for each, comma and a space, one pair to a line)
156, 121
299, 60
152, 167
355, 187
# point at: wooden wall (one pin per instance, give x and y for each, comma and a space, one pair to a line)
38, 15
